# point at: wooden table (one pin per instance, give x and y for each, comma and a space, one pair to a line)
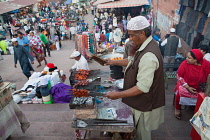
123, 113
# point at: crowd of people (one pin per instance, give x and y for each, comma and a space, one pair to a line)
111, 24
54, 21
46, 25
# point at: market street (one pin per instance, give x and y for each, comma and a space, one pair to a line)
53, 122
155, 75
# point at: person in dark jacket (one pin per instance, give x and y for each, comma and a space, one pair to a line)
172, 43
23, 56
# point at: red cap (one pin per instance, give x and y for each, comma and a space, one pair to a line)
50, 65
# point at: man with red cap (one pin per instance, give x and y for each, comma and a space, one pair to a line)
50, 65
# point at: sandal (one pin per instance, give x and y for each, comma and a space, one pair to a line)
38, 66
177, 116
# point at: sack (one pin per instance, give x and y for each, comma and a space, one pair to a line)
201, 120
61, 93
179, 56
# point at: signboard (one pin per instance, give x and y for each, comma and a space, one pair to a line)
75, 1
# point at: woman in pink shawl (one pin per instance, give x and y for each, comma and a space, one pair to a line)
36, 48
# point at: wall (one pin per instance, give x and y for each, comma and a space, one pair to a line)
165, 14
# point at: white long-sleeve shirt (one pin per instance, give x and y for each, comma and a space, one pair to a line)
81, 64
117, 35
111, 36
97, 36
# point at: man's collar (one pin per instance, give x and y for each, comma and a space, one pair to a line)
145, 43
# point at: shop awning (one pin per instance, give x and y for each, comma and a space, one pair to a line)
123, 3
15, 4
101, 1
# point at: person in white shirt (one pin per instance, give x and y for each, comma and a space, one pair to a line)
97, 36
92, 10
72, 33
81, 62
115, 21
110, 36
170, 51
25, 27
110, 26
117, 35
106, 15
205, 51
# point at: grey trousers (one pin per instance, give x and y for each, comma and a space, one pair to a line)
117, 44
169, 60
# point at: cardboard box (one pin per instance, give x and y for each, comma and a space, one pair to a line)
110, 49
86, 113
5, 94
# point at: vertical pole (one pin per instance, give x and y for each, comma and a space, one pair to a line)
207, 90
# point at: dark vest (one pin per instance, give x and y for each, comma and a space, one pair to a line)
156, 96
171, 46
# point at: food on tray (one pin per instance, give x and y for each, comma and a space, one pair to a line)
81, 83
82, 74
116, 58
80, 92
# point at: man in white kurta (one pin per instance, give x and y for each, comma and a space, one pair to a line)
81, 62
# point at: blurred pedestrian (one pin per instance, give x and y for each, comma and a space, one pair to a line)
23, 56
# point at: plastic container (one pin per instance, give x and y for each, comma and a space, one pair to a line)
47, 99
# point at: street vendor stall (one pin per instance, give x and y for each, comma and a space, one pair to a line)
93, 112
85, 41
44, 87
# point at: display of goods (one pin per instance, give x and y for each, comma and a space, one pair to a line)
81, 83
99, 60
80, 92
82, 74
116, 58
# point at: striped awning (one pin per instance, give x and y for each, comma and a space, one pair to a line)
101, 1
15, 4
123, 3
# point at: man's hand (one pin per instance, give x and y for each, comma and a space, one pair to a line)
32, 62
109, 62
113, 95
70, 70
15, 66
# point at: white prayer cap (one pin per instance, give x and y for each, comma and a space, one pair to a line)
14, 39
75, 54
46, 69
172, 30
138, 23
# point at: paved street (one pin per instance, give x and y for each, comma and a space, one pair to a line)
53, 122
